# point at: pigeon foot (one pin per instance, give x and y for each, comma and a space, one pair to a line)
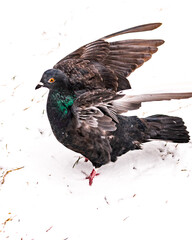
91, 176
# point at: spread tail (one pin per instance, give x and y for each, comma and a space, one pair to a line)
167, 128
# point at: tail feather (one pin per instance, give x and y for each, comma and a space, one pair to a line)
167, 128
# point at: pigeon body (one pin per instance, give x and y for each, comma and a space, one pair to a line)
101, 146
85, 103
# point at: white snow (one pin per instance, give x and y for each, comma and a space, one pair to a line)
144, 195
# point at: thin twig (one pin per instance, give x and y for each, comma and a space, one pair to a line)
7, 172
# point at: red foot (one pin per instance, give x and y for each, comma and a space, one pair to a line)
91, 176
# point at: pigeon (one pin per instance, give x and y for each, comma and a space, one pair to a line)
89, 91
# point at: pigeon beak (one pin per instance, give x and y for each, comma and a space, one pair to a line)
39, 85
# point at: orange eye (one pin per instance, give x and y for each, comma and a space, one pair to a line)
51, 80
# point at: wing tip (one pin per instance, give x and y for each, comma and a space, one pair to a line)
156, 25
139, 28
161, 42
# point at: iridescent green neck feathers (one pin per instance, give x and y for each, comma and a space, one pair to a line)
62, 102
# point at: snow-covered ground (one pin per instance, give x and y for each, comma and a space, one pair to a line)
146, 194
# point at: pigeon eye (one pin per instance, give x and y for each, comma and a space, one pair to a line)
51, 80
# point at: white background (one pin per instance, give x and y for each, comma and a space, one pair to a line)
145, 194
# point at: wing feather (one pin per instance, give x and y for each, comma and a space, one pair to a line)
119, 59
140, 28
99, 108
94, 108
132, 101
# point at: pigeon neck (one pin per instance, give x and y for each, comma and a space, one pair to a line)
60, 102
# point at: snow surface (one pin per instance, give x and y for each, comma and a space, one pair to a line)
146, 194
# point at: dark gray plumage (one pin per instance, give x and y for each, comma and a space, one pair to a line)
84, 102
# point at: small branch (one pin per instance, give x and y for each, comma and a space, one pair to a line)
7, 172
77, 161
49, 229
106, 200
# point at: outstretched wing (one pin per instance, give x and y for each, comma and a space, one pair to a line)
107, 64
133, 100
99, 108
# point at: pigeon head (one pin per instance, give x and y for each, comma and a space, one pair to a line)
54, 79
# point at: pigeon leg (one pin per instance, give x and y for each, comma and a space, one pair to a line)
91, 176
